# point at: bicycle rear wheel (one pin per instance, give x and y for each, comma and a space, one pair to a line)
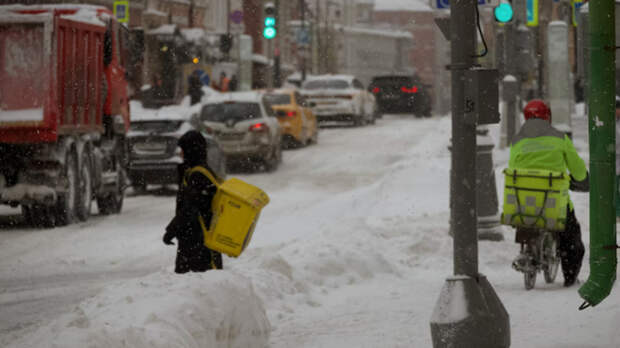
529, 273
551, 259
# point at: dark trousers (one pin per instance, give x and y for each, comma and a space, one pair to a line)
197, 259
571, 247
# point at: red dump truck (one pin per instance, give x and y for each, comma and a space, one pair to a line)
64, 111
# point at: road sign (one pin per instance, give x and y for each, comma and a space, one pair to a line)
576, 5
236, 17
445, 4
121, 11
302, 36
532, 13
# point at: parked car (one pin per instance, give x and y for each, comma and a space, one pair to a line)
154, 154
340, 98
401, 94
245, 128
299, 125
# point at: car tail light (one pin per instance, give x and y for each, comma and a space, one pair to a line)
283, 113
376, 90
413, 89
259, 127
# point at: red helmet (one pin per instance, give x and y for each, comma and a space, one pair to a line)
537, 109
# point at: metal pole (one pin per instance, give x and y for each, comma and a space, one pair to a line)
270, 67
511, 77
302, 3
276, 47
603, 256
463, 181
481, 320
228, 17
227, 54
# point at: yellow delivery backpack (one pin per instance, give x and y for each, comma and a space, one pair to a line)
236, 208
535, 198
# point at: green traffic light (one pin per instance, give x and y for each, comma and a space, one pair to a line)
270, 21
269, 32
503, 12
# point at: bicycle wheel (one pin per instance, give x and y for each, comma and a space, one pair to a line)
551, 260
529, 273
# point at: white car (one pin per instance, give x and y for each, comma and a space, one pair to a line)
245, 128
340, 98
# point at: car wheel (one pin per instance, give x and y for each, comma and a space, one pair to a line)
315, 137
272, 163
139, 187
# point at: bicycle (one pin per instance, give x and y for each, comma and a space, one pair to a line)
539, 253
535, 204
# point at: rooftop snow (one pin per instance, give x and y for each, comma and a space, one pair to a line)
402, 5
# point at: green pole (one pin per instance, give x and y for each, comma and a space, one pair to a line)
602, 153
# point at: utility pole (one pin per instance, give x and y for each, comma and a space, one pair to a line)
468, 312
302, 4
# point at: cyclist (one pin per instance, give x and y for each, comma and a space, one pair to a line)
540, 146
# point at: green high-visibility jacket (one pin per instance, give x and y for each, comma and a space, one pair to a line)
540, 146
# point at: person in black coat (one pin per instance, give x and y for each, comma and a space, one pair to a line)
194, 198
194, 88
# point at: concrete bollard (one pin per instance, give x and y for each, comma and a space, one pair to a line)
489, 227
487, 206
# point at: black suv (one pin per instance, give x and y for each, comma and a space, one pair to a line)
401, 94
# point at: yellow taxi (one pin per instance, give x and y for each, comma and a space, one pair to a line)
298, 122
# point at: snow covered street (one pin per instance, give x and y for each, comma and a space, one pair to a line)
352, 251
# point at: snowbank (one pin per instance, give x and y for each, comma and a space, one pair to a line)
213, 309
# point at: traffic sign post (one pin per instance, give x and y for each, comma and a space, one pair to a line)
121, 11
576, 4
531, 8
485, 322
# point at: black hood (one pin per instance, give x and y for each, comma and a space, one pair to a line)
194, 148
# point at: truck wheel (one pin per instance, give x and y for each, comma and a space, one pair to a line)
67, 201
112, 202
85, 191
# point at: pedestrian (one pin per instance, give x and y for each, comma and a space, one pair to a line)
540, 146
232, 85
194, 88
224, 84
193, 208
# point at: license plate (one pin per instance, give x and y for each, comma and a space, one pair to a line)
151, 146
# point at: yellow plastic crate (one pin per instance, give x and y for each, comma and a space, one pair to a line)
236, 208
535, 198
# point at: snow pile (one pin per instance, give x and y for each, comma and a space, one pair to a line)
213, 309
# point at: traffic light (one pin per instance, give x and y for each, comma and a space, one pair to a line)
269, 30
503, 12
226, 41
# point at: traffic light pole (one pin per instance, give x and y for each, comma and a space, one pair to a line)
468, 313
270, 64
